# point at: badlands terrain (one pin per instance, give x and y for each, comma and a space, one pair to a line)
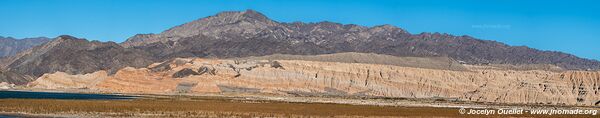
339, 79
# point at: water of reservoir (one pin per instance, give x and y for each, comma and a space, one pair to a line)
56, 95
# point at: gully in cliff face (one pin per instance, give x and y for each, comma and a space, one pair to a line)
184, 73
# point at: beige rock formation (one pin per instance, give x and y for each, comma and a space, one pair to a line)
442, 63
6, 86
61, 80
295, 77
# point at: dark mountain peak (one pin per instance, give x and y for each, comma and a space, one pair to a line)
64, 38
253, 12
233, 22
229, 17
10, 46
255, 15
234, 19
66, 41
75, 56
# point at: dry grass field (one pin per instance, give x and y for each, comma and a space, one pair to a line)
213, 107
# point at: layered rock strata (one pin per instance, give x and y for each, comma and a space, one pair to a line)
313, 78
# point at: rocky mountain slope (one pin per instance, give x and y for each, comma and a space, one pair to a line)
15, 78
75, 56
10, 46
249, 33
313, 78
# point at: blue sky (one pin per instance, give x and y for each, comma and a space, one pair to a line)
568, 26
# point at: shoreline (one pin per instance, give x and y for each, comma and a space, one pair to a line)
241, 105
374, 101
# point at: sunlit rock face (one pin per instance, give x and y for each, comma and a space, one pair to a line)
314, 78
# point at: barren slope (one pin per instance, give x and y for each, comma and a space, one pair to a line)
15, 78
10, 46
75, 56
311, 78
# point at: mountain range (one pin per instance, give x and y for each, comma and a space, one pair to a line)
250, 33
10, 46
76, 56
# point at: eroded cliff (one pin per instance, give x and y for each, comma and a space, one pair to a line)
312, 78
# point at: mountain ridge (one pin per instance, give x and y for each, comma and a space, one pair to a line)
10, 46
244, 33
75, 56
180, 31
